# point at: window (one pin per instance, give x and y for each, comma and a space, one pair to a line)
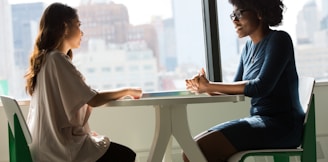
162, 41
307, 23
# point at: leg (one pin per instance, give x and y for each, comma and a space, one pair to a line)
117, 152
215, 146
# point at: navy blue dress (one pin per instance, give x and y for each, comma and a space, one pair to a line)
276, 116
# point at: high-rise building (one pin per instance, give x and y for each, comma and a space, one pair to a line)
117, 66
145, 33
324, 23
324, 8
110, 22
307, 23
311, 50
6, 46
115, 48
25, 19
169, 45
106, 21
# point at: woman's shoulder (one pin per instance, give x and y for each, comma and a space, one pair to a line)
279, 37
57, 56
57, 59
281, 34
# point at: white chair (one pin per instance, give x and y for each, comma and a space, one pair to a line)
307, 150
18, 132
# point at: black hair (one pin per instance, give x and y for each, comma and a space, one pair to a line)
271, 11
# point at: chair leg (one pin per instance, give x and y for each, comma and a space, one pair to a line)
22, 150
310, 153
12, 146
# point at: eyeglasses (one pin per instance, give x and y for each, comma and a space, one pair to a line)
237, 15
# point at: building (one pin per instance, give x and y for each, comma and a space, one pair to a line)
167, 56
307, 23
311, 49
7, 49
110, 66
107, 21
25, 20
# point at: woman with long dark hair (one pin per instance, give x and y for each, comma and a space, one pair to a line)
61, 102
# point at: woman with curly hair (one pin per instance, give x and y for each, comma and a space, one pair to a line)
267, 74
61, 102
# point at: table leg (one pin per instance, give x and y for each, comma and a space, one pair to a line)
168, 152
181, 132
162, 135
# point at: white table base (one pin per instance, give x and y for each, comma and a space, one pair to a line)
172, 120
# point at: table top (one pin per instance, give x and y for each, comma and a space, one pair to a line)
175, 97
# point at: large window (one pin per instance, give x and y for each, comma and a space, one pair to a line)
150, 44
307, 23
156, 45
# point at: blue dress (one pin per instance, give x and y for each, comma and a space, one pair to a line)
276, 116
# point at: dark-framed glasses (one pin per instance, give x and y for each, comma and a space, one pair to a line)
237, 14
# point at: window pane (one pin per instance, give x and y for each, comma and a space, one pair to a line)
150, 44
307, 23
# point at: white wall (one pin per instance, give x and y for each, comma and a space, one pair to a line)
134, 126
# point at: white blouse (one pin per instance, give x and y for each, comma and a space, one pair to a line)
58, 115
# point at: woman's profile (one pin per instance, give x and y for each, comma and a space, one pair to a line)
61, 101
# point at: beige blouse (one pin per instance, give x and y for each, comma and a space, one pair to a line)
58, 115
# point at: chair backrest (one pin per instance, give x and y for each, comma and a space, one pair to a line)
11, 109
308, 145
307, 150
306, 85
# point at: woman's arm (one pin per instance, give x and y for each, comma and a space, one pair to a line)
278, 61
106, 96
226, 88
199, 84
219, 87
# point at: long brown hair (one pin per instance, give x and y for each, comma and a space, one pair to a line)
51, 34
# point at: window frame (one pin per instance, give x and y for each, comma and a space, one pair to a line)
212, 41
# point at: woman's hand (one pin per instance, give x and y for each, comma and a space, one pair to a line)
198, 83
135, 93
107, 96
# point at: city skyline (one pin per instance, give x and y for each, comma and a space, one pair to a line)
138, 16
185, 52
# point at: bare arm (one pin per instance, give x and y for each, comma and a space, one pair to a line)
226, 88
106, 96
199, 84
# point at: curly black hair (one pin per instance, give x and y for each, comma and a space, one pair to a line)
271, 11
